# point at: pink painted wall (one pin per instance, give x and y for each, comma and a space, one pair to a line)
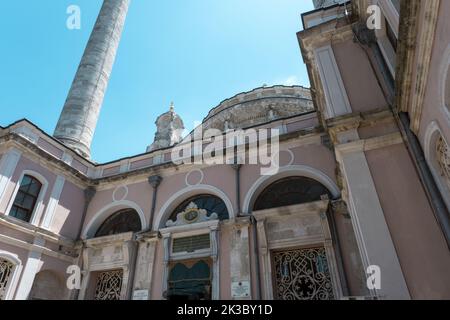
69, 212
359, 79
139, 193
417, 237
59, 268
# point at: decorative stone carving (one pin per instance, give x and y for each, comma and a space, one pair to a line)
443, 159
169, 132
191, 215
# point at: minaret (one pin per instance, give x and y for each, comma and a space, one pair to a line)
326, 3
169, 130
76, 125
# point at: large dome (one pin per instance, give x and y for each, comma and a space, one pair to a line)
259, 106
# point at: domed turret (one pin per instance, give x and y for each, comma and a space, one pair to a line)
169, 132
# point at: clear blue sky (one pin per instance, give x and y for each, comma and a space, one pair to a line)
193, 52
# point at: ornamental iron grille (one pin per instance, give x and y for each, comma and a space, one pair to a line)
6, 269
303, 275
191, 244
290, 191
109, 285
443, 159
210, 203
120, 222
26, 198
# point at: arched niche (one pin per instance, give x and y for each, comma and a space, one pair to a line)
292, 171
179, 197
48, 285
106, 212
290, 191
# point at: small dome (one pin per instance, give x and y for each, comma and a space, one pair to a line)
170, 129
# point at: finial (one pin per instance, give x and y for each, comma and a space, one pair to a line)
172, 107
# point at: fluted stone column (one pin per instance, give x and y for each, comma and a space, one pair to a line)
79, 117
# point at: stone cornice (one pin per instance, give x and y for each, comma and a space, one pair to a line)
358, 120
411, 92
369, 144
32, 230
305, 208
426, 41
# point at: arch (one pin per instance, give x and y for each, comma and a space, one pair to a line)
48, 285
38, 207
97, 220
432, 134
122, 221
176, 199
298, 170
290, 191
14, 279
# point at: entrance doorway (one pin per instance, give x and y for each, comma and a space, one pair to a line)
190, 280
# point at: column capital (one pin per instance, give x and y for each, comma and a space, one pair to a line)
155, 181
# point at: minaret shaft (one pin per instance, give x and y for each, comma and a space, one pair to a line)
76, 125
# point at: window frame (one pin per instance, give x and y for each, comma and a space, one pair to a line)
15, 273
38, 209
391, 16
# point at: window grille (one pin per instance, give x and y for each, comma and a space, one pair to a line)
191, 244
303, 275
109, 285
6, 269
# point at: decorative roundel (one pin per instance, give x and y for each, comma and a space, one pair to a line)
120, 193
194, 175
280, 158
191, 215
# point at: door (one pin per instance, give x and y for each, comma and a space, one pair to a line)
302, 274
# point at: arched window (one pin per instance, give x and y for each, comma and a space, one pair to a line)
26, 198
120, 222
290, 191
210, 203
6, 272
437, 153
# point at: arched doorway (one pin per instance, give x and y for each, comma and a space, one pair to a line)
6, 273
292, 223
191, 245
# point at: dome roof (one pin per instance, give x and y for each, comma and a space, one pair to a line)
259, 106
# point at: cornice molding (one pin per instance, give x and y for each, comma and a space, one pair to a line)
426, 41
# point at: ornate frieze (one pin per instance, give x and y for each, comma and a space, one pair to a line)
192, 214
